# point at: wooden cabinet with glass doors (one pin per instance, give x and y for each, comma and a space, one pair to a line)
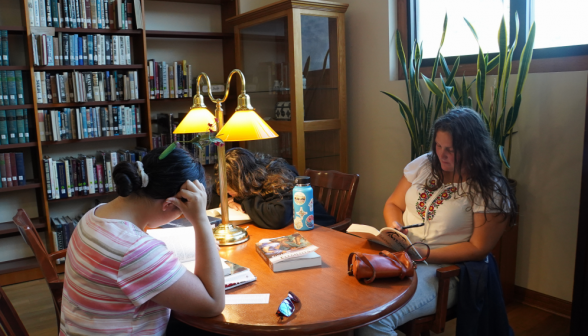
293, 56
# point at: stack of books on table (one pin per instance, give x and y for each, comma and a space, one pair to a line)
181, 241
288, 252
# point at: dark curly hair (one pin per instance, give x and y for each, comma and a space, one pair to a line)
475, 156
166, 176
250, 174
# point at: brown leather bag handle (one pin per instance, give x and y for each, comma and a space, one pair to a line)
428, 251
366, 261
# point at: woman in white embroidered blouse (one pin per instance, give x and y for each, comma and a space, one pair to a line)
459, 192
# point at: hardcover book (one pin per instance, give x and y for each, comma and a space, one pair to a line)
3, 128
275, 250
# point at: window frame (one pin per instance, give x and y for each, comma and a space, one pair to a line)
554, 59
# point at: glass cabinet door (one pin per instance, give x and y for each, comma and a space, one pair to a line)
264, 56
320, 67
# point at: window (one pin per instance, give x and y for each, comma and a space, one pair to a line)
484, 15
561, 29
560, 23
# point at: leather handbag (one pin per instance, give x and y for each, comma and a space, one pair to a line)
367, 267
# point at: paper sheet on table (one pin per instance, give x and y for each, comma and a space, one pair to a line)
246, 298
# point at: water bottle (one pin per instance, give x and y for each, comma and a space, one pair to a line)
303, 204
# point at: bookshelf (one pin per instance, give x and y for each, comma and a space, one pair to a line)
208, 48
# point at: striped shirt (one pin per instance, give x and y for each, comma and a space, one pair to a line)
112, 271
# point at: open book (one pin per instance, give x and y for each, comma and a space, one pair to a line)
387, 236
182, 242
235, 217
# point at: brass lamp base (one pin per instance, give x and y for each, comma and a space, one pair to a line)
227, 234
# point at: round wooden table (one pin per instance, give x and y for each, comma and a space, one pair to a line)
331, 300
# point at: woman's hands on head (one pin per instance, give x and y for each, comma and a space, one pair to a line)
191, 200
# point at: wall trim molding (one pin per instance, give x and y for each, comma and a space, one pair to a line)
543, 301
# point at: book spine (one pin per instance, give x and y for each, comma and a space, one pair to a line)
4, 81
47, 179
11, 87
26, 125
6, 171
11, 125
13, 169
49, 13
55, 13
20, 169
100, 182
5, 53
3, 128
19, 87
20, 129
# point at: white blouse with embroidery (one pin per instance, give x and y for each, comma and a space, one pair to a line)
448, 217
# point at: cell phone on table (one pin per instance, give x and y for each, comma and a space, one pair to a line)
412, 226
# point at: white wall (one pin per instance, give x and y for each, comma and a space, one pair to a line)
546, 158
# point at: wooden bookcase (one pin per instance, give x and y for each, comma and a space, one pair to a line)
25, 269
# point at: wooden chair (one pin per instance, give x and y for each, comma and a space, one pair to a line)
46, 261
436, 322
336, 192
10, 323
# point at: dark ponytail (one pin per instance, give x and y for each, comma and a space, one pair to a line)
165, 176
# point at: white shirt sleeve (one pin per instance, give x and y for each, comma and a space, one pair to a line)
417, 169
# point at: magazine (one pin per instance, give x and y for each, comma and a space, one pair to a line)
387, 236
274, 250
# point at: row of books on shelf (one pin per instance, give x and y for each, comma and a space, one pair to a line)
89, 122
14, 126
206, 155
96, 14
74, 49
85, 175
62, 229
169, 80
80, 87
12, 170
4, 55
11, 88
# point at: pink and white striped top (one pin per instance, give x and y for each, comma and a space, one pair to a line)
112, 271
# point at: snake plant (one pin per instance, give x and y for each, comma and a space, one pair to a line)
420, 113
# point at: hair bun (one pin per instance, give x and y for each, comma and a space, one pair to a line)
126, 178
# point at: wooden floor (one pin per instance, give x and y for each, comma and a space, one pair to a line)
32, 301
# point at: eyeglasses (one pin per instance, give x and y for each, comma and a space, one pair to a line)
286, 308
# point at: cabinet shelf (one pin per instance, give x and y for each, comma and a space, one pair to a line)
16, 107
188, 34
100, 31
83, 197
29, 185
109, 138
92, 104
9, 229
88, 67
18, 145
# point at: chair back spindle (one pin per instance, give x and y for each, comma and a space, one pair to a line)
336, 192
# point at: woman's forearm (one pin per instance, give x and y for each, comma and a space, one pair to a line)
208, 267
451, 254
392, 213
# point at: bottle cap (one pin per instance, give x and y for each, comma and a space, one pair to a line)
302, 180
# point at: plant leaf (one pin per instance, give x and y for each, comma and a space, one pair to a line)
525, 61
493, 63
432, 86
503, 157
472, 29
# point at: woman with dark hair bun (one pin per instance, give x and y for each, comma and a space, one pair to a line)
261, 186
459, 192
121, 281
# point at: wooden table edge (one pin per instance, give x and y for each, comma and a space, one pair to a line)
325, 328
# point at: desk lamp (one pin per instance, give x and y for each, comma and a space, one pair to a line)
244, 125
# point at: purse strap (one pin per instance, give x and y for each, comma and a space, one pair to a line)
366, 261
423, 258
